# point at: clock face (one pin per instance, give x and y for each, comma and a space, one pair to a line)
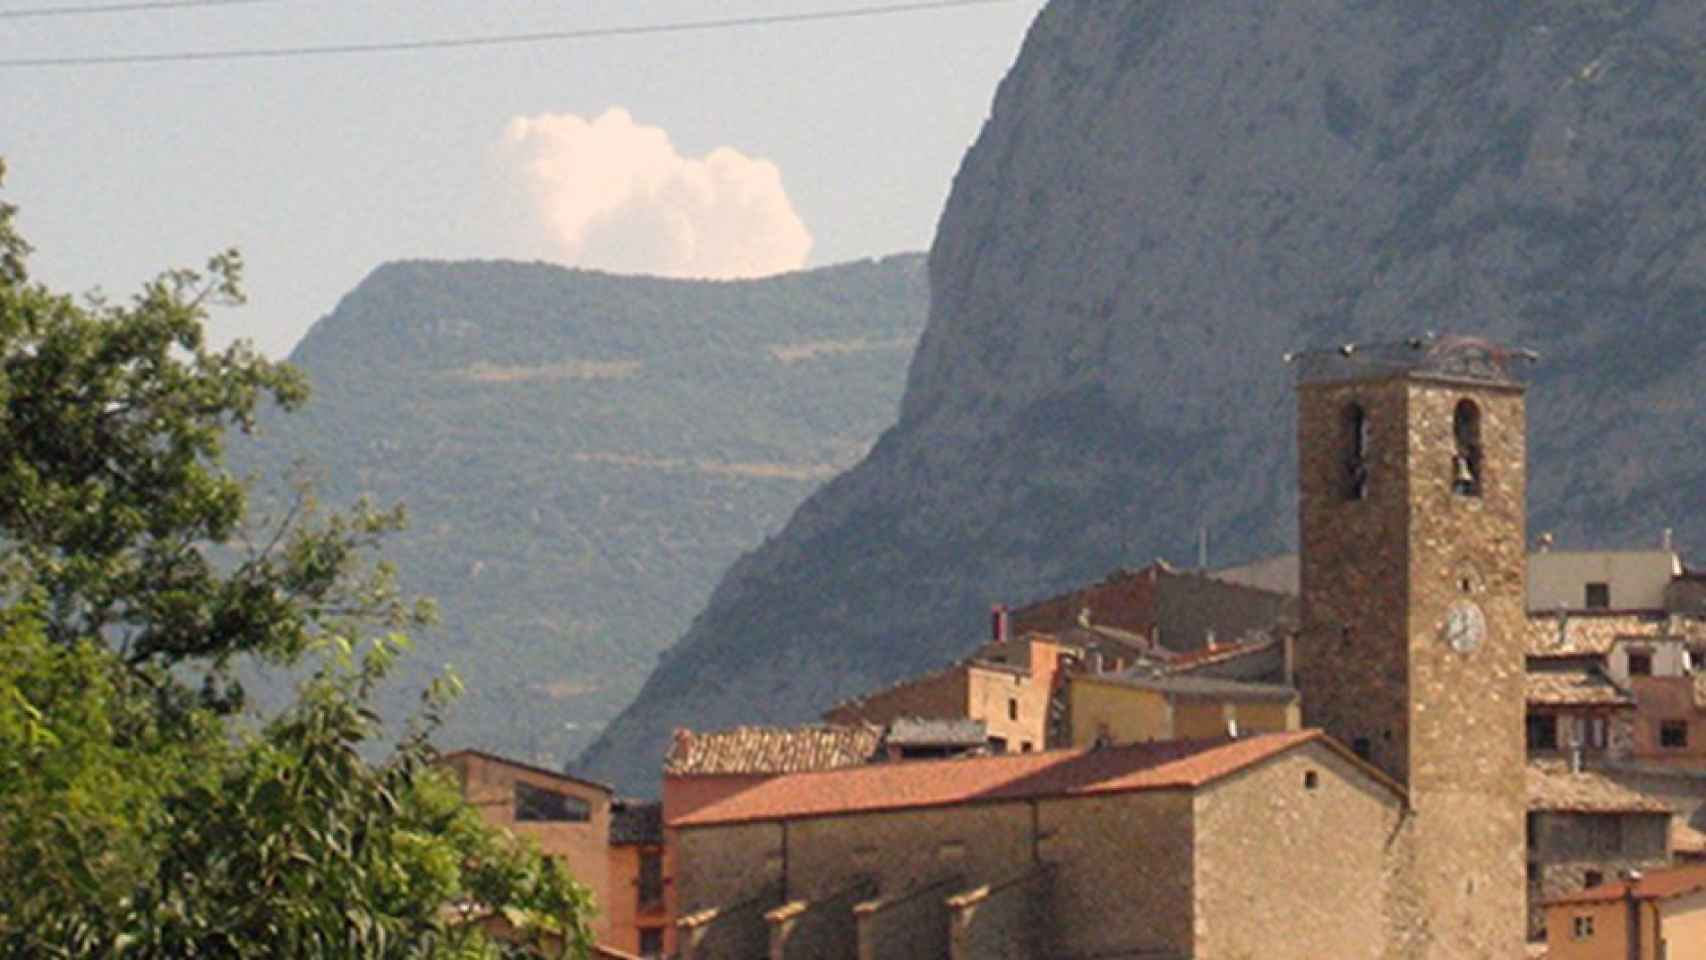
1465, 626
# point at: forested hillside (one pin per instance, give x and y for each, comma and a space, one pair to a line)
582, 455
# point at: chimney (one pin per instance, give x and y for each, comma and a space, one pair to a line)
998, 623
1209, 638
1288, 653
1665, 540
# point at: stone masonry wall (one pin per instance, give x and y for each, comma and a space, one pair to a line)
909, 926
1122, 872
1466, 775
906, 849
821, 929
1379, 575
1297, 844
1351, 654
716, 866
1010, 920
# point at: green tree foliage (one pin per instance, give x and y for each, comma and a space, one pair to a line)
139, 817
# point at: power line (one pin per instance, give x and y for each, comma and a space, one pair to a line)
398, 46
94, 8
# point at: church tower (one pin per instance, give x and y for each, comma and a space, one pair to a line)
1411, 488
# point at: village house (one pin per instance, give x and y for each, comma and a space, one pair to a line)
1174, 609
1011, 691
1651, 915
1106, 709
1583, 829
600, 840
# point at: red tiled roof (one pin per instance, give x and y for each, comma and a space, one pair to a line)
1160, 765
1653, 885
770, 750
1124, 599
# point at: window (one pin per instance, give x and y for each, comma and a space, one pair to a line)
651, 941
1596, 733
649, 884
1582, 927
1012, 709
1356, 453
1466, 462
1640, 663
1542, 732
997, 744
1311, 779
1592, 878
1024, 746
1673, 734
1597, 596
539, 805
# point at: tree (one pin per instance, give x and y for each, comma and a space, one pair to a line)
138, 815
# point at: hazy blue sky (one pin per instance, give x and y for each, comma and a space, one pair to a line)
724, 152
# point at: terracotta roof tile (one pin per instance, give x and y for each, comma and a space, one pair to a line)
1581, 687
1593, 634
1686, 839
1157, 765
769, 750
1553, 788
1653, 885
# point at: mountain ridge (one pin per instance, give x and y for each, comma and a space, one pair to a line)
581, 454
1165, 200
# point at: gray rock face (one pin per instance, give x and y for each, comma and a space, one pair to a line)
1167, 197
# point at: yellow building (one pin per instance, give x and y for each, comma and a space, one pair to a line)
1114, 709
1659, 916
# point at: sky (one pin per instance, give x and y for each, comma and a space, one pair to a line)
639, 146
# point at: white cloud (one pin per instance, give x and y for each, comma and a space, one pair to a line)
615, 195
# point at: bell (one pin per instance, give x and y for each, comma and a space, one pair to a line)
1462, 476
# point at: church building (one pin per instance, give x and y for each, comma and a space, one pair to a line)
1392, 826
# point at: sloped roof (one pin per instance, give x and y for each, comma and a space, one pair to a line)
1185, 663
1198, 688
1159, 765
446, 758
873, 700
1653, 885
1552, 788
1595, 633
770, 750
1581, 687
936, 731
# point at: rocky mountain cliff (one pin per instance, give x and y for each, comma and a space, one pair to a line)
1166, 198
581, 455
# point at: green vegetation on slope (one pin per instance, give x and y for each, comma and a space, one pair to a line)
585, 454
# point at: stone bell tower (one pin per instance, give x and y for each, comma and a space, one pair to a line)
1411, 488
